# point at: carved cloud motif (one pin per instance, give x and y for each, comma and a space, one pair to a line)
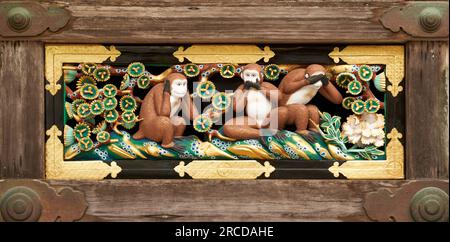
30, 19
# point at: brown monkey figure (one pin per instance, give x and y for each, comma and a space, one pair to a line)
301, 85
160, 109
256, 101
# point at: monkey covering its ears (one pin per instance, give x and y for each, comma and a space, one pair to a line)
160, 109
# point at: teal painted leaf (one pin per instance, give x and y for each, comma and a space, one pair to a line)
345, 139
337, 122
373, 150
324, 125
331, 131
326, 116
365, 155
327, 136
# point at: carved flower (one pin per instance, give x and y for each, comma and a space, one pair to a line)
365, 129
352, 129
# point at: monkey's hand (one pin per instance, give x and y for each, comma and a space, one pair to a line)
316, 78
167, 86
325, 80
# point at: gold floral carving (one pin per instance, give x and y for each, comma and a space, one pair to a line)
235, 54
391, 168
224, 169
57, 55
392, 56
56, 168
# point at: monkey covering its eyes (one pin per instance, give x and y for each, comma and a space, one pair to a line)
299, 86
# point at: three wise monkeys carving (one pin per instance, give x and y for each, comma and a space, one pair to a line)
260, 106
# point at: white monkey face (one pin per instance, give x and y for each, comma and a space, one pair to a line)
178, 88
251, 76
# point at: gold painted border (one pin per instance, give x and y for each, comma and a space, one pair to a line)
56, 55
236, 54
393, 57
224, 169
55, 167
391, 168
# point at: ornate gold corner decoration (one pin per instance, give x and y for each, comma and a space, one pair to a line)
390, 55
224, 169
57, 55
56, 168
54, 150
235, 54
395, 154
391, 168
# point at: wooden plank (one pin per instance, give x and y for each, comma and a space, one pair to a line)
232, 200
21, 110
232, 21
427, 130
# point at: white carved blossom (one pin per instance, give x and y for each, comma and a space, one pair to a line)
365, 129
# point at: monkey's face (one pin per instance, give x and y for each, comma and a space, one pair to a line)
178, 88
251, 76
252, 79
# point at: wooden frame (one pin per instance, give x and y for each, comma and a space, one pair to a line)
391, 168
299, 22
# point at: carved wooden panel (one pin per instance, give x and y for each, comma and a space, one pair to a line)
72, 72
424, 93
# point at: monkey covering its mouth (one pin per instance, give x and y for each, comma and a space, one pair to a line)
250, 84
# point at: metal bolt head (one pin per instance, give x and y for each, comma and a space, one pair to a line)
430, 19
20, 204
429, 205
19, 19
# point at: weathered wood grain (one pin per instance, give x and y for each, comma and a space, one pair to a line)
427, 142
232, 200
232, 21
21, 110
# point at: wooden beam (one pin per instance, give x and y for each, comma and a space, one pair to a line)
21, 109
232, 200
232, 21
427, 130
